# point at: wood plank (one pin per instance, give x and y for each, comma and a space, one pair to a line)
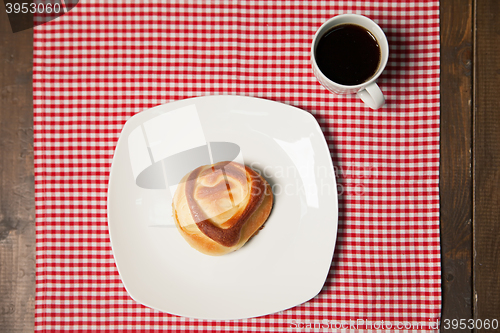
17, 206
455, 171
486, 219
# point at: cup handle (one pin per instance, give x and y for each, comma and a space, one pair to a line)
372, 96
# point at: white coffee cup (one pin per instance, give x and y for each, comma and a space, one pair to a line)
368, 91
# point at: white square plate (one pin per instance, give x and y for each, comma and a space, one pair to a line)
286, 264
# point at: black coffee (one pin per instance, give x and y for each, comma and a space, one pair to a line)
348, 54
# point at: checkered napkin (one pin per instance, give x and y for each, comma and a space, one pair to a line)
103, 62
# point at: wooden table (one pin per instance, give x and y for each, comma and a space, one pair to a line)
470, 167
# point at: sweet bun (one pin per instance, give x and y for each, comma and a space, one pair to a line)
218, 208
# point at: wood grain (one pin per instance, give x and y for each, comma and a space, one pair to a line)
456, 158
17, 204
486, 172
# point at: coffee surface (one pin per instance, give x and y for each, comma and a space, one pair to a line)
348, 54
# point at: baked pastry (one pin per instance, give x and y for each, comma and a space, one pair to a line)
218, 208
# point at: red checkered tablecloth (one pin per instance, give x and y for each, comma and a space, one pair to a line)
103, 62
